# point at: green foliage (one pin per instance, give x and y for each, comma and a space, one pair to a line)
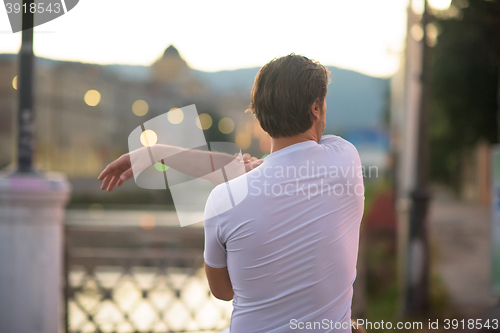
465, 70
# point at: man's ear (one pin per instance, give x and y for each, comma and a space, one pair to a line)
316, 110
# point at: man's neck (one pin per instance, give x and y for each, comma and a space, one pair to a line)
280, 143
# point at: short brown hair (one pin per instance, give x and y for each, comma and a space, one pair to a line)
283, 93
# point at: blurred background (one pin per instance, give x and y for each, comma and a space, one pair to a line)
415, 87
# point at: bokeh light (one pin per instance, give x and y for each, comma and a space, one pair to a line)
432, 34
417, 6
440, 4
160, 166
416, 32
175, 116
140, 107
243, 140
147, 221
92, 97
204, 121
226, 125
148, 138
14, 82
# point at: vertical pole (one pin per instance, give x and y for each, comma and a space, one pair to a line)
26, 92
31, 220
417, 288
498, 102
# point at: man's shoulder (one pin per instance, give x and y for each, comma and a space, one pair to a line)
216, 201
337, 142
217, 193
228, 195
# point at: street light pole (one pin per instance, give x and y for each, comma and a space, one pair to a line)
417, 286
31, 219
498, 101
26, 92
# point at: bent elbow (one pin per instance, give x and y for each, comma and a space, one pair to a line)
223, 296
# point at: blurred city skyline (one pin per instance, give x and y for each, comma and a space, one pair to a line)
99, 105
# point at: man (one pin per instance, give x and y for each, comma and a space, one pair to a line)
286, 255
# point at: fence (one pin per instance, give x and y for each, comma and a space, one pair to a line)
127, 279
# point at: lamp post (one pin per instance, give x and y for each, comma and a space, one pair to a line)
417, 264
25, 86
31, 219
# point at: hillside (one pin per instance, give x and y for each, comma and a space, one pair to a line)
354, 100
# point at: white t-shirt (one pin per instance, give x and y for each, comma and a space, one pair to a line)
291, 245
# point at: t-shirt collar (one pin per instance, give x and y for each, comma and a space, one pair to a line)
292, 148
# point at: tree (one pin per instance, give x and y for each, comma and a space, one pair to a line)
464, 88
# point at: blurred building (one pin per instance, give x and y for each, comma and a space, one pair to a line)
84, 112
71, 135
8, 103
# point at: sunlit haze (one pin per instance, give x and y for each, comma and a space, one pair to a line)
363, 35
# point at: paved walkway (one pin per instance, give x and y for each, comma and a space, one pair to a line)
460, 236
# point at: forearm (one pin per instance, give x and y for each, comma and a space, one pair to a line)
192, 162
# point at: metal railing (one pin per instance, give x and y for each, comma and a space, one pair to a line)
126, 279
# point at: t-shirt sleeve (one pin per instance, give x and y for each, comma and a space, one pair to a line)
215, 249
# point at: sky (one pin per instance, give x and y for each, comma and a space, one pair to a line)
362, 35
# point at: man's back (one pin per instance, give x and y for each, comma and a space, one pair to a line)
291, 245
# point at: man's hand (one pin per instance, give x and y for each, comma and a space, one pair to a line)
251, 162
116, 173
120, 170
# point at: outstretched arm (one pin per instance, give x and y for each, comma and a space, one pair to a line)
192, 162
